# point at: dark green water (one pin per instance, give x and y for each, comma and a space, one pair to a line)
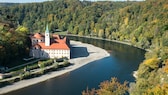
121, 64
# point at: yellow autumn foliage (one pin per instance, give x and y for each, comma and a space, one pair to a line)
166, 62
165, 6
126, 20
112, 87
165, 68
22, 30
158, 90
152, 63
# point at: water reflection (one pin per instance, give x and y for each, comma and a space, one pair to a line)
120, 51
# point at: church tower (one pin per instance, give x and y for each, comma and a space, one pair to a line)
47, 37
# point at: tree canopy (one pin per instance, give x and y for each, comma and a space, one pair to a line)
143, 24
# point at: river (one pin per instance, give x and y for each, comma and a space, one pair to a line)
122, 62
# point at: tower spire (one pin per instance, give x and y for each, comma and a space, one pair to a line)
47, 31
47, 36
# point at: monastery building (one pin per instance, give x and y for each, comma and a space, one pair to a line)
49, 46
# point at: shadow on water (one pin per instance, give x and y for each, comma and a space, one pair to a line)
123, 61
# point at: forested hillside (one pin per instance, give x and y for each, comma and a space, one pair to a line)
140, 23
72, 15
143, 24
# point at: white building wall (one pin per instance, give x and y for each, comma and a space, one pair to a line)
57, 53
50, 53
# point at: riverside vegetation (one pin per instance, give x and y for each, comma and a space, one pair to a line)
143, 24
35, 69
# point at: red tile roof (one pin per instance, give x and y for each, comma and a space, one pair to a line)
38, 36
56, 42
54, 46
61, 41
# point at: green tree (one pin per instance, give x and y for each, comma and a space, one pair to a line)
22, 30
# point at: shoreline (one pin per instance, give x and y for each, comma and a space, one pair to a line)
116, 41
92, 53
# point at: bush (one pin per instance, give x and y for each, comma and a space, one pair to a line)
25, 75
45, 63
33, 67
41, 64
49, 62
55, 65
41, 71
66, 63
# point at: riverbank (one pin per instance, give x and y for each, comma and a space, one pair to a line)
116, 41
81, 53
